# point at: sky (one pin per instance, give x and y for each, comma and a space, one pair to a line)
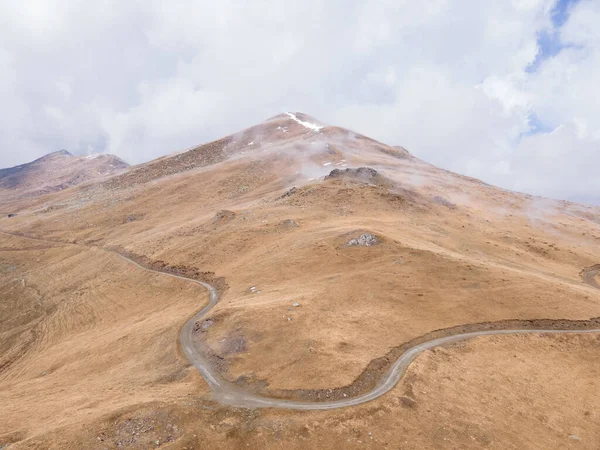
505, 91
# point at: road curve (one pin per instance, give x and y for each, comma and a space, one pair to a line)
227, 393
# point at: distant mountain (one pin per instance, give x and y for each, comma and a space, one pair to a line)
56, 171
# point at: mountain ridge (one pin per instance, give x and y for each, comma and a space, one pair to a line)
56, 171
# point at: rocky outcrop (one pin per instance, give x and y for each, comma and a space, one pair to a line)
365, 175
364, 240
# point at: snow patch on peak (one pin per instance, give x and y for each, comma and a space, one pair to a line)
309, 125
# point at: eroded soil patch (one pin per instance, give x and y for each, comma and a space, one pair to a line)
589, 275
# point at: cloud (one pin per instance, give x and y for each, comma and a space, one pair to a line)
466, 85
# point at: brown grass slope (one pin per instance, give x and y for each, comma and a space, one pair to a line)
257, 210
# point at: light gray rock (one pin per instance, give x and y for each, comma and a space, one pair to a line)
288, 224
364, 240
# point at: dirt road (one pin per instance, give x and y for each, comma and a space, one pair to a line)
229, 394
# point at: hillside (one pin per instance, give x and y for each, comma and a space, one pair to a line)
330, 254
54, 172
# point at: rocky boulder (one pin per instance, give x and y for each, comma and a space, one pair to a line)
224, 216
364, 240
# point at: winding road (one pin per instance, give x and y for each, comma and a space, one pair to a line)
227, 393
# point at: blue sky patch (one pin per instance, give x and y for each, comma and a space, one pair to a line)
537, 126
549, 39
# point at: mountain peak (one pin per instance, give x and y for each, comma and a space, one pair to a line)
56, 171
297, 116
53, 155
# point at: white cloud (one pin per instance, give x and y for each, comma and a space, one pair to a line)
447, 79
557, 163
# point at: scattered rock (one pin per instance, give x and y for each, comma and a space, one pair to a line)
204, 325
142, 431
442, 201
7, 268
287, 193
364, 240
133, 218
408, 402
223, 216
233, 345
288, 224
